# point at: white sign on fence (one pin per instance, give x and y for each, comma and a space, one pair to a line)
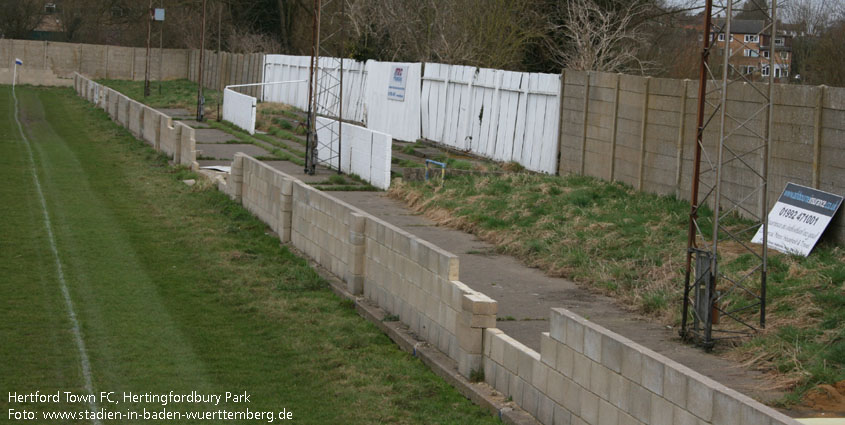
798, 219
397, 83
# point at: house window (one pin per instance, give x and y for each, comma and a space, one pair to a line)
50, 8
764, 71
721, 37
752, 38
784, 55
779, 41
766, 54
749, 70
751, 53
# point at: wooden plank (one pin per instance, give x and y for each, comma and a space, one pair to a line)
519, 129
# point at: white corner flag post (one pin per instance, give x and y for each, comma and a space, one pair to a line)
15, 73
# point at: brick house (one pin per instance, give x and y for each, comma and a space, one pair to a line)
750, 49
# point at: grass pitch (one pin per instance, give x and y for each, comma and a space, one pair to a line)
175, 288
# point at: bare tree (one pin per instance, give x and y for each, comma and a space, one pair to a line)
20, 17
589, 37
490, 33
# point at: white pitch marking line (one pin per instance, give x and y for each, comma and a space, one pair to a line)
80, 344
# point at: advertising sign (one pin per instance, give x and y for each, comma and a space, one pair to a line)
396, 85
798, 219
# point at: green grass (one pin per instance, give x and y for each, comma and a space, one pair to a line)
177, 288
632, 246
174, 94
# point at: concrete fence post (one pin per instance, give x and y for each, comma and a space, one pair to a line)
615, 126
643, 134
236, 178
560, 129
817, 137
177, 144
358, 240
586, 115
285, 210
682, 121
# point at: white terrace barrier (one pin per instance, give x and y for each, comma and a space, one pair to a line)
239, 109
365, 153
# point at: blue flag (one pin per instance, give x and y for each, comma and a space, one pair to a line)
18, 61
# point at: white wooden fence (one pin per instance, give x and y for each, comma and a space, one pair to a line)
364, 152
503, 115
239, 109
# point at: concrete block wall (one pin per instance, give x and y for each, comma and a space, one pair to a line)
151, 127
97, 61
641, 131
170, 138
145, 123
585, 374
406, 276
418, 282
187, 146
266, 193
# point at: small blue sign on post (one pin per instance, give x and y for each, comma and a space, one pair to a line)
18, 61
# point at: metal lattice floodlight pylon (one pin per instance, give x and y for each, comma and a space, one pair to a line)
730, 180
325, 89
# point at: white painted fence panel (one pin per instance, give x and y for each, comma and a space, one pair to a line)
239, 109
400, 119
503, 115
293, 68
364, 152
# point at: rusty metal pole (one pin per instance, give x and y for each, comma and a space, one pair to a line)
340, 90
200, 99
311, 137
147, 61
699, 140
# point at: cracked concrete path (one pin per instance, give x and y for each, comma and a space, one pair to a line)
525, 296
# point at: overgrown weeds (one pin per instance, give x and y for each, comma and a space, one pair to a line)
631, 245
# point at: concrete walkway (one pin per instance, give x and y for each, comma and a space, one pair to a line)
527, 295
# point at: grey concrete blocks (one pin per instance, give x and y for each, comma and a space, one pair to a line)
562, 416
600, 380
572, 393
540, 375
608, 414
675, 384
589, 407
652, 374
726, 409
545, 409
592, 344
556, 387
662, 411
632, 363
700, 399
581, 370
548, 350
515, 387
639, 403
530, 399
611, 353
618, 388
